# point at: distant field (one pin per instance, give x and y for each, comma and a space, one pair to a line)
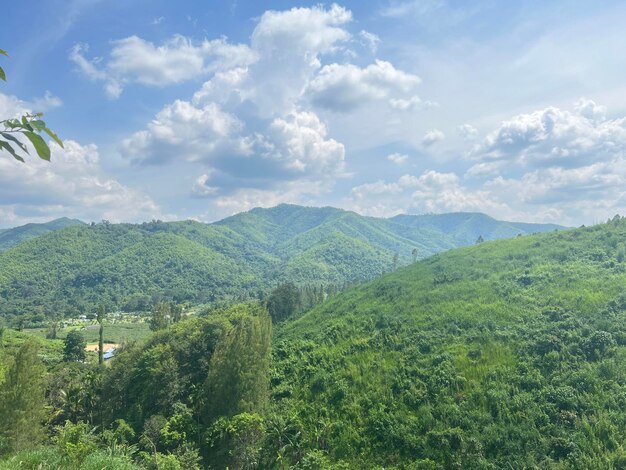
113, 332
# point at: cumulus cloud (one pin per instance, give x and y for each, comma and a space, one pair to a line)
345, 87
255, 128
431, 191
398, 158
73, 185
183, 131
554, 136
296, 144
135, 60
432, 137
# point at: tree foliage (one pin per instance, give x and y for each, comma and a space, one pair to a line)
15, 132
74, 347
22, 402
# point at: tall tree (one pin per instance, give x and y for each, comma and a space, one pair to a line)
102, 311
161, 315
284, 301
414, 253
22, 400
74, 347
395, 261
238, 379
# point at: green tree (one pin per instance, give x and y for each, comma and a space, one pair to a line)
480, 239
414, 253
284, 301
238, 379
395, 261
161, 315
22, 400
74, 347
102, 312
29, 126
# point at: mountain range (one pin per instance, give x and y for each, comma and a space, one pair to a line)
73, 266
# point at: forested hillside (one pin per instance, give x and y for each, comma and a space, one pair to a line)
130, 267
506, 354
13, 236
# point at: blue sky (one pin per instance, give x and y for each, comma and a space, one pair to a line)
200, 109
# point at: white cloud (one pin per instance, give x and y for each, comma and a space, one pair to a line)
467, 131
370, 40
12, 107
345, 87
248, 198
432, 191
302, 143
295, 146
432, 137
135, 60
183, 131
553, 136
398, 158
202, 189
72, 184
412, 103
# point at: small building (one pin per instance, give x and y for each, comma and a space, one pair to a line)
108, 354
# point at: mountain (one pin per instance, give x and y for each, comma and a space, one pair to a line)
466, 227
129, 265
13, 236
507, 354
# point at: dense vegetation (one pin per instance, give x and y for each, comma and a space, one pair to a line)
14, 236
66, 272
506, 354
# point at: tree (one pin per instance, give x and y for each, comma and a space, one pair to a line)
102, 311
29, 127
414, 253
284, 301
22, 400
161, 314
74, 347
395, 261
480, 239
238, 379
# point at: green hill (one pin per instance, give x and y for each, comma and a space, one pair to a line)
13, 236
130, 265
508, 354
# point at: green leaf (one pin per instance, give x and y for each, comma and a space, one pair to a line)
40, 145
26, 124
4, 53
38, 125
53, 136
8, 148
2, 75
12, 123
8, 136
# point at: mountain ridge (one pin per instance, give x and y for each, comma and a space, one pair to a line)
130, 265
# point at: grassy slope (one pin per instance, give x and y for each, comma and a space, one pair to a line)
478, 356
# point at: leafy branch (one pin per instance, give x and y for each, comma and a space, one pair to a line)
29, 126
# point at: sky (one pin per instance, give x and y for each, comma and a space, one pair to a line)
202, 109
